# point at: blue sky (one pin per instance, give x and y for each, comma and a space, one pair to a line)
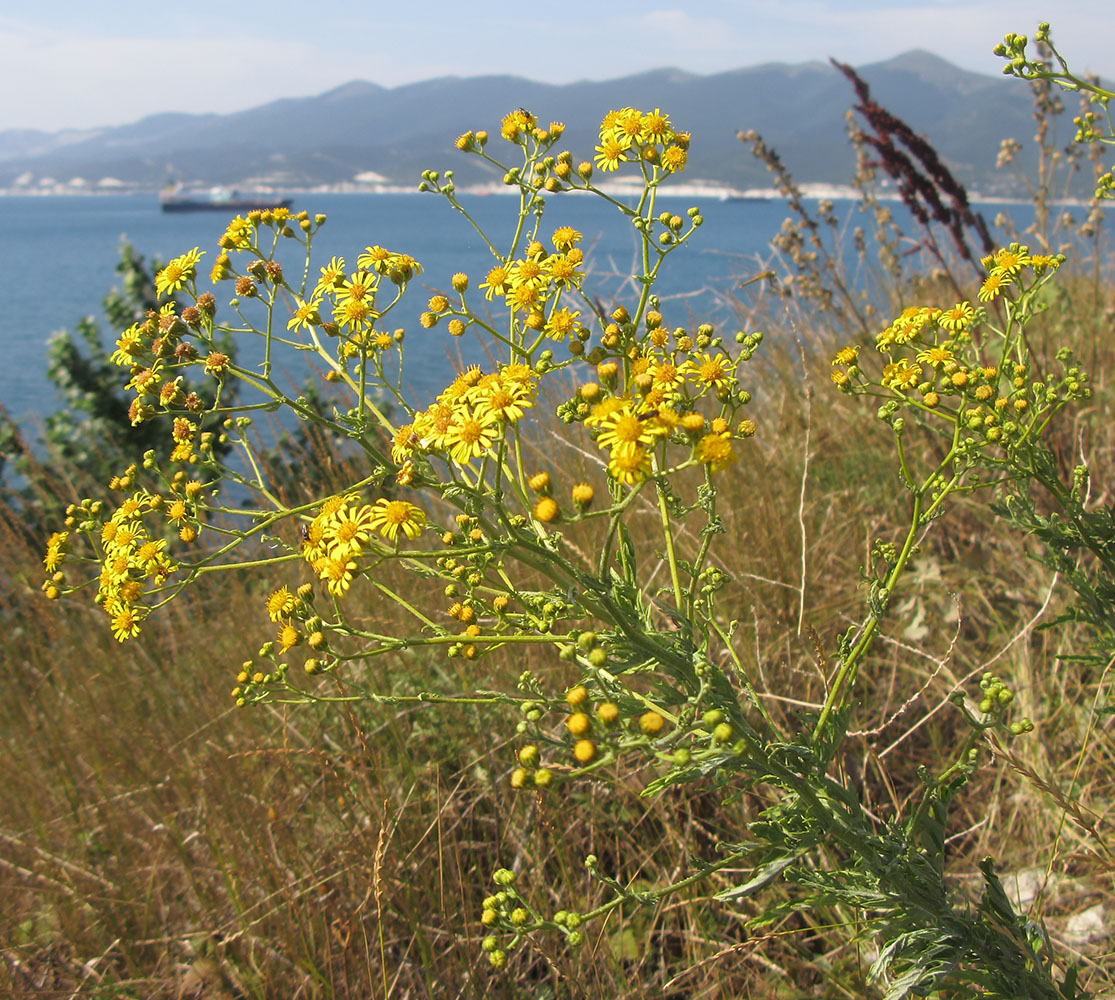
76, 64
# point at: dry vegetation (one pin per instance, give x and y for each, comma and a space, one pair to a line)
155, 842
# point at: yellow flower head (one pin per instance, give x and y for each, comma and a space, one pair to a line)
360, 285
177, 272
624, 431
495, 283
522, 298
337, 574
629, 467
238, 235
715, 451
901, 375
389, 517
610, 154
280, 604
305, 314
125, 621
565, 238
561, 323
516, 123
354, 314
332, 275
958, 318
347, 530
656, 128
993, 286
403, 444
288, 636
1011, 260
665, 375
674, 159
936, 356
527, 272
504, 401
545, 509
710, 371
563, 269
470, 434
375, 258
582, 494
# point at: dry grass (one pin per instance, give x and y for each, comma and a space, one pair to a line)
156, 843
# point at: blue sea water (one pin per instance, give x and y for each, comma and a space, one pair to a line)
58, 255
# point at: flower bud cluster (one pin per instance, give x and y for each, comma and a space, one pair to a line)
945, 364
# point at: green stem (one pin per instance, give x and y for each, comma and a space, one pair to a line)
847, 672
668, 535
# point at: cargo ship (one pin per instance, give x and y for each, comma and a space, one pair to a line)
174, 199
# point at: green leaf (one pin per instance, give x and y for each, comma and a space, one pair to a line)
763, 876
626, 554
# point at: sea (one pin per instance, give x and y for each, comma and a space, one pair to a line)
58, 256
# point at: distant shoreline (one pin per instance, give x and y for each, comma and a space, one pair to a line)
711, 190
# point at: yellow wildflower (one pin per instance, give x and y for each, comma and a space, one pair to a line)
715, 451
623, 431
959, 317
280, 604
495, 283
629, 467
993, 286
610, 154
389, 517
177, 272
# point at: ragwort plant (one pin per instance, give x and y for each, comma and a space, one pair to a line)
496, 547
1049, 66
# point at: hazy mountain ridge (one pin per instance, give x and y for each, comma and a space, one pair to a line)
360, 127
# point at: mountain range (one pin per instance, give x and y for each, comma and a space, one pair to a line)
389, 135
